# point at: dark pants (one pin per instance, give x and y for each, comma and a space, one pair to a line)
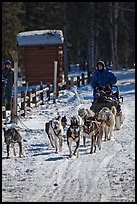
8, 94
3, 93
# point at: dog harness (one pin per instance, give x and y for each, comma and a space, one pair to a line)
74, 135
57, 134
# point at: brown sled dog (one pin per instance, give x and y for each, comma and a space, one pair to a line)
12, 136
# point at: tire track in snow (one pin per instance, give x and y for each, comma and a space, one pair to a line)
67, 186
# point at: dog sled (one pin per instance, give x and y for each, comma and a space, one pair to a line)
109, 97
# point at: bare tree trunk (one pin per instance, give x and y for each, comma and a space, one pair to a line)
112, 36
91, 49
95, 43
91, 41
65, 43
115, 34
89, 54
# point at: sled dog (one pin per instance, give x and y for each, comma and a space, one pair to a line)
85, 113
107, 116
96, 133
73, 136
12, 136
94, 129
54, 130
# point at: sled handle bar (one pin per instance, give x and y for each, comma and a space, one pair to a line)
121, 97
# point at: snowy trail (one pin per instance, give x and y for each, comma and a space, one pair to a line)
68, 178
44, 176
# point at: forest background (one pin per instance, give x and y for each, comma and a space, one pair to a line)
92, 30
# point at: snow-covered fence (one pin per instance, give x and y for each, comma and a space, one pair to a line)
35, 97
79, 80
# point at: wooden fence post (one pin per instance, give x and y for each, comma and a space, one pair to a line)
41, 94
64, 86
83, 78
23, 102
71, 81
34, 97
28, 100
89, 78
48, 93
68, 84
55, 82
78, 81
58, 89
12, 109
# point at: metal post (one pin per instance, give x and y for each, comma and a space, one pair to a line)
55, 81
65, 43
15, 58
41, 94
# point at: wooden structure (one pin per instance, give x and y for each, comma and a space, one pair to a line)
39, 49
35, 97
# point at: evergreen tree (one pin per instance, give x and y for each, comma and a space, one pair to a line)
12, 13
92, 30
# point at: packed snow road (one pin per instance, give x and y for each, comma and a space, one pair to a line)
45, 176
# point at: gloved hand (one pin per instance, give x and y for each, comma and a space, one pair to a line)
97, 88
108, 89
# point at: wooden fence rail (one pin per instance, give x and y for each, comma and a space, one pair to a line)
35, 97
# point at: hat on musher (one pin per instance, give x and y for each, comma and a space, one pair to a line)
7, 62
101, 63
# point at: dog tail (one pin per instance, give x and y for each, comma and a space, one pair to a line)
114, 110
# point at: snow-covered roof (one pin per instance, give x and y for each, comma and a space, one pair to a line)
40, 37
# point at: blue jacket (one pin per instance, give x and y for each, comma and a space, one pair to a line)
8, 74
103, 78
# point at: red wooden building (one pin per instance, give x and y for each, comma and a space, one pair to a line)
39, 49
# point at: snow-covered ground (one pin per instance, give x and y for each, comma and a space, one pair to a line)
45, 176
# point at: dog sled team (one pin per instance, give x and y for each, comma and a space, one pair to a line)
77, 128
85, 124
102, 117
99, 120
